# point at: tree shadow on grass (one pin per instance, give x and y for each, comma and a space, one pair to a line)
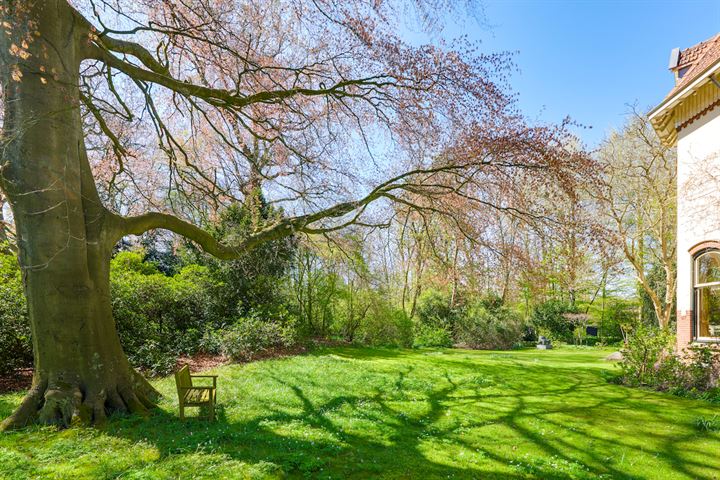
415, 421
396, 445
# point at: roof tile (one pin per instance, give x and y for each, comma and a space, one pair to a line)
697, 58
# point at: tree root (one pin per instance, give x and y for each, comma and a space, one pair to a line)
27, 412
62, 403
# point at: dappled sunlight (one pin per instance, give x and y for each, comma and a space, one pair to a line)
359, 413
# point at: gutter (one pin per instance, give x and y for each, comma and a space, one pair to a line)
672, 101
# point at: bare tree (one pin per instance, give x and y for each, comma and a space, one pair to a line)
637, 198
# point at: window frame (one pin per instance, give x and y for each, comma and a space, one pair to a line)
696, 295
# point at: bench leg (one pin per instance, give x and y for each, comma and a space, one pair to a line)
182, 412
212, 411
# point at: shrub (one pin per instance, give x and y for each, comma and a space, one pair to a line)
256, 279
551, 319
701, 369
153, 358
250, 336
647, 359
386, 326
431, 336
15, 342
159, 317
434, 310
488, 325
211, 341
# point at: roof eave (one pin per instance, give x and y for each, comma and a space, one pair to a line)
701, 79
665, 127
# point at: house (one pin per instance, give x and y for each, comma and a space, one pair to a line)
689, 118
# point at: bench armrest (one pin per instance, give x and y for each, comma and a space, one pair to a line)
214, 378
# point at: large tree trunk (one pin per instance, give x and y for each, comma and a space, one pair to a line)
64, 234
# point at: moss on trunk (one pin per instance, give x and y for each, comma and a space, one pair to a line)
64, 234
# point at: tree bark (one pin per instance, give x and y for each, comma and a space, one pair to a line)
64, 234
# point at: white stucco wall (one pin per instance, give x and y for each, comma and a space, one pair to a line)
698, 196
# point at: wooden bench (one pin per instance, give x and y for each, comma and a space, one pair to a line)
190, 395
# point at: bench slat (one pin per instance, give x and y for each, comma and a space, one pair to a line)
188, 395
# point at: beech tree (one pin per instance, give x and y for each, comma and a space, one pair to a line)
196, 84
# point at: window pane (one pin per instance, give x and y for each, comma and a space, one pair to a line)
708, 267
708, 315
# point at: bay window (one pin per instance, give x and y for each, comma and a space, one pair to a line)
707, 295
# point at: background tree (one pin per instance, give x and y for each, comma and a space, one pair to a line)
638, 199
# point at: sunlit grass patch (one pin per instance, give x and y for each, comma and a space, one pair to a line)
379, 413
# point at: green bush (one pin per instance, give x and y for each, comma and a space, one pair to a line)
619, 314
550, 319
386, 326
649, 360
487, 324
15, 342
434, 310
647, 357
250, 336
256, 280
211, 341
153, 358
701, 370
159, 317
430, 336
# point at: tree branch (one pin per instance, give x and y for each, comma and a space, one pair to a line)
227, 98
149, 221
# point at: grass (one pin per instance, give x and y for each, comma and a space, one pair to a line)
375, 413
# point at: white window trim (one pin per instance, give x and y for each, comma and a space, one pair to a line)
696, 286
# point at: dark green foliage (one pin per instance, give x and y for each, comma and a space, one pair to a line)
385, 325
159, 317
159, 251
435, 320
484, 323
256, 281
15, 343
434, 310
488, 324
166, 305
431, 336
250, 336
551, 319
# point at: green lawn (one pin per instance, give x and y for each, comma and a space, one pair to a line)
376, 413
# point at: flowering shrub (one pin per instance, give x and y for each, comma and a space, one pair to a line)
649, 360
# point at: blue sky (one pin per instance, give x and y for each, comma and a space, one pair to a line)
589, 59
